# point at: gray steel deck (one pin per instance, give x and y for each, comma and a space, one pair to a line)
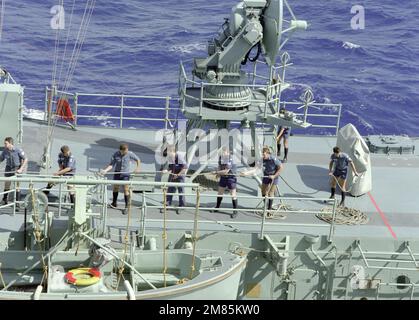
394, 185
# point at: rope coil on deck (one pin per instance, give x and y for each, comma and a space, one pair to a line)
344, 215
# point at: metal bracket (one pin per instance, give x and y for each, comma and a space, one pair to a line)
278, 254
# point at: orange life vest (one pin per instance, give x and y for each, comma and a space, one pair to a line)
64, 110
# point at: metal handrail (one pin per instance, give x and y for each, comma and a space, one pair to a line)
165, 109
166, 106
94, 181
271, 99
365, 260
390, 284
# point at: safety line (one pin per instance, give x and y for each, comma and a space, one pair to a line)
383, 217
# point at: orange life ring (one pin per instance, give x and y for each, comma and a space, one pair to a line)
64, 110
83, 276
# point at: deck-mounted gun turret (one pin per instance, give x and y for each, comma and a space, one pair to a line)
256, 31
252, 24
230, 90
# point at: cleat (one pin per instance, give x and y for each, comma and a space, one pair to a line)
234, 215
124, 211
215, 210
284, 160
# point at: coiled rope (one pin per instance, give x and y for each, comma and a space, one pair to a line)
344, 216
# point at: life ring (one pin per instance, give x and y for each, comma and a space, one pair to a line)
83, 276
64, 110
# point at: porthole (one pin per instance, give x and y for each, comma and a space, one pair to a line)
402, 279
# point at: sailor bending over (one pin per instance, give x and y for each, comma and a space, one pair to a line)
338, 171
283, 135
67, 168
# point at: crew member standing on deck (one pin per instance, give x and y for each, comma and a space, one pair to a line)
338, 171
227, 173
120, 162
16, 162
177, 167
283, 134
271, 167
67, 168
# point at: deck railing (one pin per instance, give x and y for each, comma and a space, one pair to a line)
87, 112
149, 199
118, 110
310, 109
373, 260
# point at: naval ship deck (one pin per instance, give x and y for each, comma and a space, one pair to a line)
391, 205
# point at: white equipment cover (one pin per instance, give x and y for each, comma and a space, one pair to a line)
351, 143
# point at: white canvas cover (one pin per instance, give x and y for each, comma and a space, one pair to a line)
351, 142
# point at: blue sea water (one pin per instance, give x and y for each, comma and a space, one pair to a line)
134, 47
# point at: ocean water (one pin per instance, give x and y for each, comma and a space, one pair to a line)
134, 47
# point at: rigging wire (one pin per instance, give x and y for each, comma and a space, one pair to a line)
81, 36
56, 53
78, 45
66, 42
3, 8
77, 49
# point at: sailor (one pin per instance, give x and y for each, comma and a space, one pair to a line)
16, 162
271, 167
177, 167
338, 171
67, 168
227, 173
283, 134
120, 162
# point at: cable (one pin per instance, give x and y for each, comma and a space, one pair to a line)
56, 50
296, 191
3, 8
255, 57
66, 42
81, 36
345, 190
